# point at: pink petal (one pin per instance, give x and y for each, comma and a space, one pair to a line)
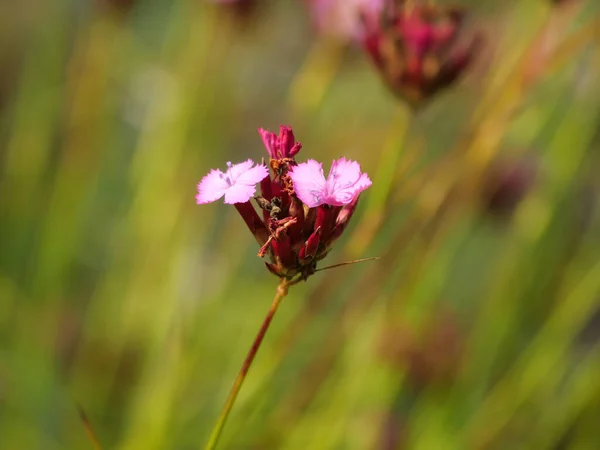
237, 184
345, 182
253, 175
363, 183
345, 18
239, 193
212, 187
309, 182
347, 196
342, 173
234, 171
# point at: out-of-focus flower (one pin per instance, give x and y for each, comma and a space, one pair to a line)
237, 184
303, 214
433, 356
117, 7
242, 9
394, 431
508, 182
345, 181
420, 48
345, 19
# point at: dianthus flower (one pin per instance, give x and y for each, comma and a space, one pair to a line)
420, 47
302, 212
237, 184
345, 19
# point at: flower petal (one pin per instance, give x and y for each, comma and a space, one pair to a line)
253, 175
237, 184
363, 183
345, 19
345, 182
212, 187
343, 173
309, 182
239, 193
234, 171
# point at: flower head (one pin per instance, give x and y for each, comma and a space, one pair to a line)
303, 213
420, 48
237, 183
344, 182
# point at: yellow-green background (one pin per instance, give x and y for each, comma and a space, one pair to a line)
120, 294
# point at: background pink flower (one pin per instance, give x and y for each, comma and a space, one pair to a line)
237, 184
344, 183
344, 18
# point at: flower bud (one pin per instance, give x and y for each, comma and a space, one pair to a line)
269, 141
280, 147
296, 211
420, 48
325, 220
255, 225
288, 143
342, 219
309, 249
283, 251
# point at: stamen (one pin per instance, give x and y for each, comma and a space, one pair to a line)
226, 178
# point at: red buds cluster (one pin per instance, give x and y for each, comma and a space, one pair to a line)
420, 48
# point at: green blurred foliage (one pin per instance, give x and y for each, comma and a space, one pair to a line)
477, 329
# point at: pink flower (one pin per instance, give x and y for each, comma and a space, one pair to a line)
237, 184
345, 19
344, 183
303, 214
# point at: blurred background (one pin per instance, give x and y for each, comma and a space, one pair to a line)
477, 329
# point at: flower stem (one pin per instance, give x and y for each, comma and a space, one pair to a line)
88, 428
280, 293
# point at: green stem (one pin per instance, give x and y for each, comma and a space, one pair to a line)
281, 292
